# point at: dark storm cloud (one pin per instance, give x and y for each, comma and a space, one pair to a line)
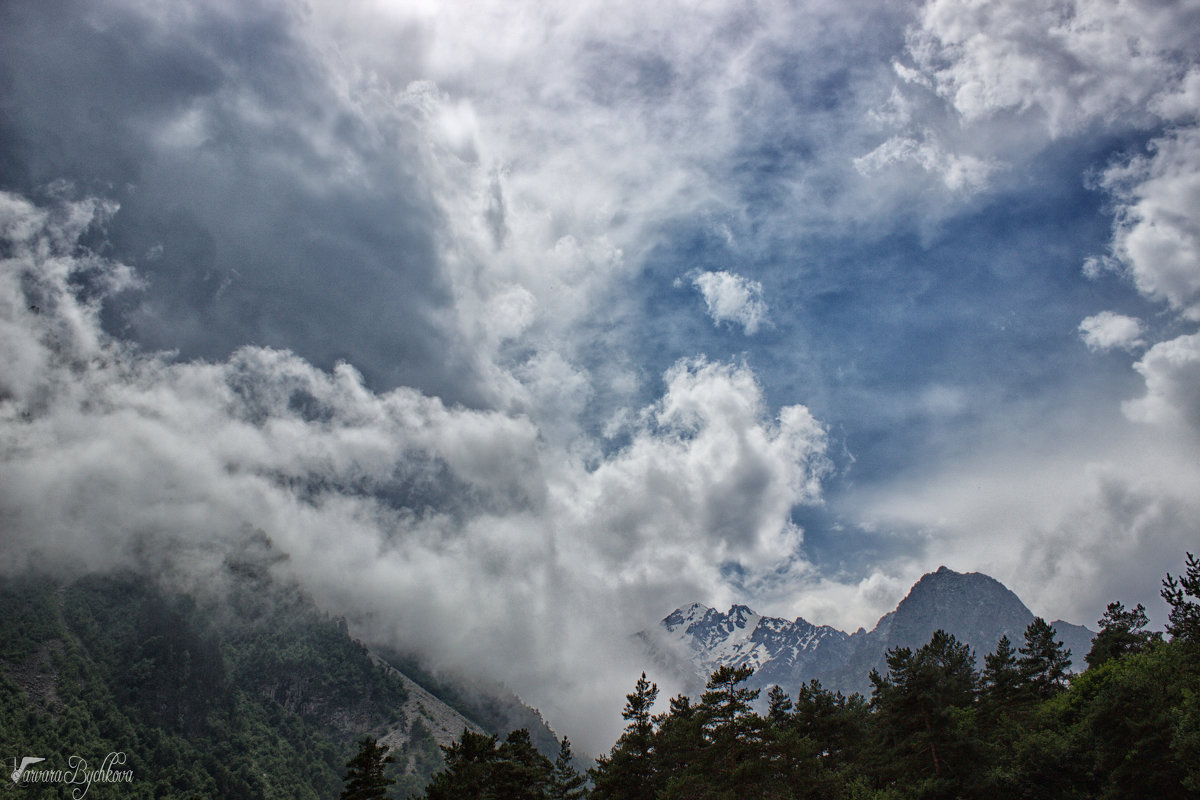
263, 198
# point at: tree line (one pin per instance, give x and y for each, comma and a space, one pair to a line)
935, 726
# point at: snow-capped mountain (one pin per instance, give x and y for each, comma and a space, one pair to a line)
694, 640
699, 639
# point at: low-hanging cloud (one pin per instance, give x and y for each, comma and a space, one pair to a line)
460, 533
1069, 527
389, 251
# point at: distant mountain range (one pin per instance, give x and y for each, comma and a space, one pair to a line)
694, 640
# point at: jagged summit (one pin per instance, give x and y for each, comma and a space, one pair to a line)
686, 615
976, 608
694, 640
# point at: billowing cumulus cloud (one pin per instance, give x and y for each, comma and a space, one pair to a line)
457, 532
1071, 64
376, 306
732, 298
1172, 373
1155, 237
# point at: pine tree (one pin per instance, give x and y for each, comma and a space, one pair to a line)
1184, 620
727, 702
1043, 662
1001, 677
640, 731
789, 756
629, 772
364, 776
677, 746
1125, 720
1121, 632
733, 730
779, 705
1006, 707
832, 728
565, 781
918, 707
520, 772
469, 768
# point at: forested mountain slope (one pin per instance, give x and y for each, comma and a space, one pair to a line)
255, 694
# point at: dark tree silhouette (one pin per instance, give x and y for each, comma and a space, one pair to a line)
1185, 613
364, 776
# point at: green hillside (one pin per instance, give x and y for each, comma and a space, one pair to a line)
258, 695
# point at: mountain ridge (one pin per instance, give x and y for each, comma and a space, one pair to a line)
976, 608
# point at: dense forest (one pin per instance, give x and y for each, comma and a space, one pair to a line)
252, 694
237, 688
934, 726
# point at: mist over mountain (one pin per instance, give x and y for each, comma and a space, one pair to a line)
977, 609
243, 688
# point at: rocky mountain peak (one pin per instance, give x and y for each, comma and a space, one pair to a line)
976, 608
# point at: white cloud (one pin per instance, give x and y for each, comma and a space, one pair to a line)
1123, 531
705, 479
1073, 63
606, 122
1156, 242
1180, 104
1156, 237
986, 85
959, 172
468, 534
453, 194
1069, 517
1172, 373
1067, 68
1070, 523
1107, 330
732, 298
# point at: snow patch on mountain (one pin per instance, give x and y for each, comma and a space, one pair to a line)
694, 640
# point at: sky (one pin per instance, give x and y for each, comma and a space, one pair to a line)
515, 326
